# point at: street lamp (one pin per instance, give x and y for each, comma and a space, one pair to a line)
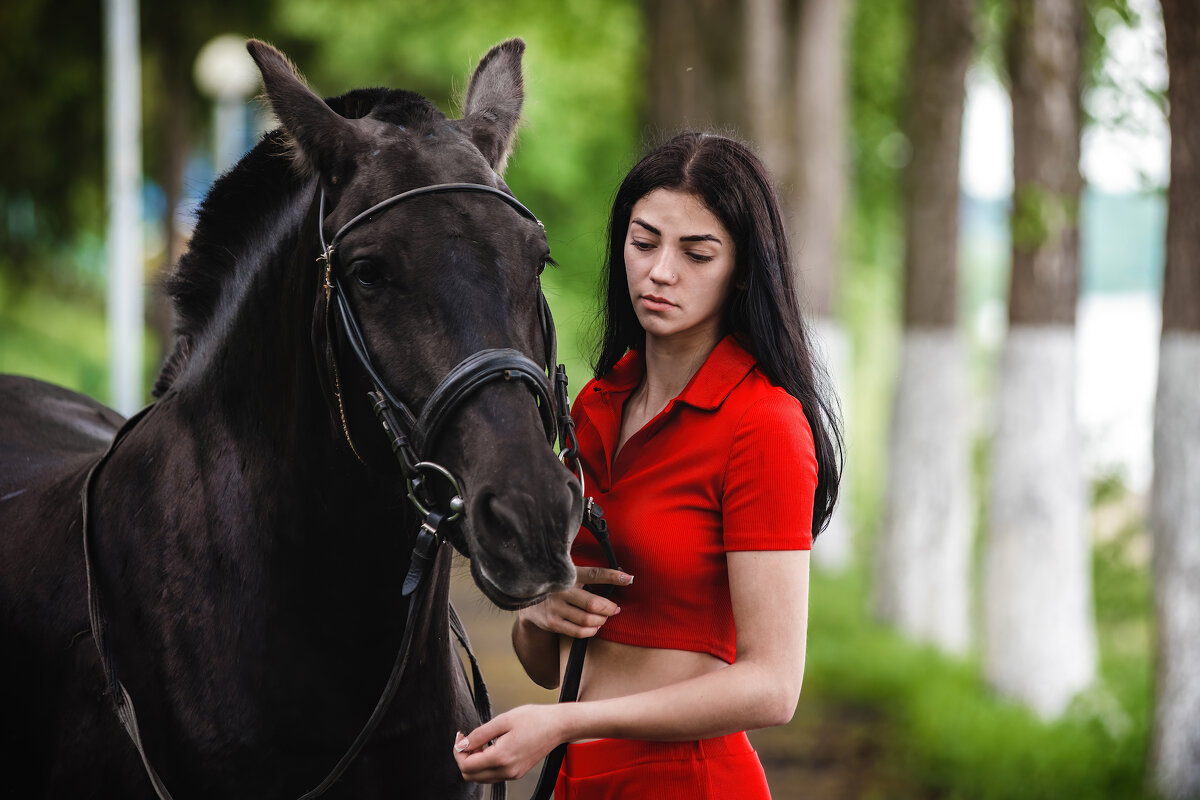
226, 74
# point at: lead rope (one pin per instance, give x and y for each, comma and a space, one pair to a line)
593, 520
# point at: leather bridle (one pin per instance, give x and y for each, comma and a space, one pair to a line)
411, 434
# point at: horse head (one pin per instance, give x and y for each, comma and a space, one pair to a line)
425, 282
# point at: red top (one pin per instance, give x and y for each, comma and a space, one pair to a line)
729, 464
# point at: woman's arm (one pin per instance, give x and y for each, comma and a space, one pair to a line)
575, 612
769, 592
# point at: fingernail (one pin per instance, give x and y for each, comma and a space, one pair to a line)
626, 579
462, 745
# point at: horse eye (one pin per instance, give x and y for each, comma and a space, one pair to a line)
366, 273
546, 262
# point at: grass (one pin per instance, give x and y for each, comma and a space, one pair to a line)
59, 334
954, 736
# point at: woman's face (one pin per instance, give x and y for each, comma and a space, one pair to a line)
679, 263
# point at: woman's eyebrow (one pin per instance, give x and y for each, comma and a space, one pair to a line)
698, 237
646, 225
701, 237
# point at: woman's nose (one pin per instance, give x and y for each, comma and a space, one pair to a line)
663, 271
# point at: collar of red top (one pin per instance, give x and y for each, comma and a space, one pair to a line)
723, 370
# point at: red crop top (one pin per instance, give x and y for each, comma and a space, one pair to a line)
729, 464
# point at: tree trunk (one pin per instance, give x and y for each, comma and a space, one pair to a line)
767, 49
923, 556
1175, 501
695, 66
1039, 626
175, 122
816, 201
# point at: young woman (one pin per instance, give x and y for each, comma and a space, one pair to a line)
710, 442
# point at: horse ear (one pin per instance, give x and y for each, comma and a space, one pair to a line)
494, 98
322, 138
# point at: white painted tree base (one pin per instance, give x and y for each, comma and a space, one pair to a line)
833, 551
1175, 519
922, 558
1039, 643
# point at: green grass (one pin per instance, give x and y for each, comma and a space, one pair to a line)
59, 335
955, 736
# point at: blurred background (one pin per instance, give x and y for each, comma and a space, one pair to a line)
977, 200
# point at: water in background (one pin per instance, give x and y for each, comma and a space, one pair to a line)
1118, 321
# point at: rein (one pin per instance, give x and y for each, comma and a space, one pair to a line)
408, 434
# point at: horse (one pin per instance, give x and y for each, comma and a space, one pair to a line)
209, 599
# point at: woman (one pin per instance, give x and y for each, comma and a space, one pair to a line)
715, 453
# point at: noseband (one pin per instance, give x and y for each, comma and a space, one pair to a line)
409, 434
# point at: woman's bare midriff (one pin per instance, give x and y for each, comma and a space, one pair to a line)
616, 670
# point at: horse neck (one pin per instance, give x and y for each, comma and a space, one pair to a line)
255, 382
254, 364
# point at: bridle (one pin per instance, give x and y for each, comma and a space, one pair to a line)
409, 435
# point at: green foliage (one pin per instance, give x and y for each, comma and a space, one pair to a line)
955, 736
1040, 216
880, 38
871, 302
60, 336
52, 128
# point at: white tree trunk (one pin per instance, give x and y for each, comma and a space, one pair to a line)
833, 551
1039, 628
922, 558
1175, 519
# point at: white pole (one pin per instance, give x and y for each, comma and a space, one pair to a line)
225, 72
123, 84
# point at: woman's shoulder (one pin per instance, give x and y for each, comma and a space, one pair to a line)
763, 409
761, 398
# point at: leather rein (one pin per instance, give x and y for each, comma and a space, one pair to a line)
409, 435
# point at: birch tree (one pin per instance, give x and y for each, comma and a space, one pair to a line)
922, 568
818, 201
1039, 626
796, 101
1175, 500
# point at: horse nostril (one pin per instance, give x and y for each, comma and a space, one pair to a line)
518, 542
494, 515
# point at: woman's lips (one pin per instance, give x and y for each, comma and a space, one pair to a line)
656, 303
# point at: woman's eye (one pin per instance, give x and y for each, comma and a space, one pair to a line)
700, 258
643, 246
366, 273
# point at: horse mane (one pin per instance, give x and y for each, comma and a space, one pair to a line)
262, 185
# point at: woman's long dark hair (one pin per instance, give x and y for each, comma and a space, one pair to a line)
763, 307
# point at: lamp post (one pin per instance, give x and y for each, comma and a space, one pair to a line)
225, 73
123, 79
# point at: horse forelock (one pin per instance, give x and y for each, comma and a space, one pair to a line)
396, 106
260, 187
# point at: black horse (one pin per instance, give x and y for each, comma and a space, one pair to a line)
249, 534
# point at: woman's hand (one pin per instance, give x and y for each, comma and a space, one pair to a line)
577, 612
519, 740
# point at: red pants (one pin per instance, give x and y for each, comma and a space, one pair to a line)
708, 769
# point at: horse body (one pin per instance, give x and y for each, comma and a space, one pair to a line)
248, 535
